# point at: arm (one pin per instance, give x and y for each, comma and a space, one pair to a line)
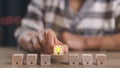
31, 23
114, 44
77, 42
111, 42
31, 35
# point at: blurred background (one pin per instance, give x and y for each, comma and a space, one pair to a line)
11, 13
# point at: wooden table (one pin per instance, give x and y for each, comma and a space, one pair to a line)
113, 60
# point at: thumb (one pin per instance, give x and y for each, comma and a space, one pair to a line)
65, 48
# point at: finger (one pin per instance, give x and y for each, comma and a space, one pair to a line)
36, 44
65, 48
50, 38
49, 49
26, 44
30, 46
41, 38
50, 41
47, 43
53, 35
57, 42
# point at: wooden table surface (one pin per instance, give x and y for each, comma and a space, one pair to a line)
113, 60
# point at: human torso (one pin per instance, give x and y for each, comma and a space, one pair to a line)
94, 19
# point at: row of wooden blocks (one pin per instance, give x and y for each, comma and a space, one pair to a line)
45, 59
31, 59
87, 59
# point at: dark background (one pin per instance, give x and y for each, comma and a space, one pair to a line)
11, 8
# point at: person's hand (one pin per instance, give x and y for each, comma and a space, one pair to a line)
51, 41
41, 41
74, 42
25, 40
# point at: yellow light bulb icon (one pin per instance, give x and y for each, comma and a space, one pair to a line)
58, 50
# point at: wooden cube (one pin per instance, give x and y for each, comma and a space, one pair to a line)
58, 50
100, 58
87, 59
31, 59
45, 59
17, 59
74, 59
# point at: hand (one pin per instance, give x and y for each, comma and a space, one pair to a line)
41, 41
25, 40
51, 41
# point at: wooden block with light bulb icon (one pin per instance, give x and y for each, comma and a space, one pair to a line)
58, 50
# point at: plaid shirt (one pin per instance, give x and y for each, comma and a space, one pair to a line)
96, 17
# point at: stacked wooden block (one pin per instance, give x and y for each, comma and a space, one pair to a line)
45, 59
